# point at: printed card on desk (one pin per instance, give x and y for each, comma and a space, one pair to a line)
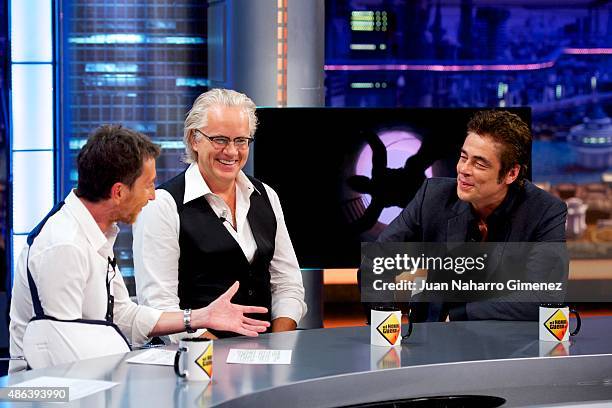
154, 357
242, 356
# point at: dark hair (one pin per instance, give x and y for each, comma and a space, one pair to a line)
511, 133
112, 154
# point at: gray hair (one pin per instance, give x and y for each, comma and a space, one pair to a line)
197, 117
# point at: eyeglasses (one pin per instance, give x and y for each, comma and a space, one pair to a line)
223, 141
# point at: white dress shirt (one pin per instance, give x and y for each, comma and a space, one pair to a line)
157, 251
68, 261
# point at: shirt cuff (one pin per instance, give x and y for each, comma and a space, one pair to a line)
288, 307
147, 319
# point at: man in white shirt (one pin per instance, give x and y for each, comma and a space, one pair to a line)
212, 224
71, 257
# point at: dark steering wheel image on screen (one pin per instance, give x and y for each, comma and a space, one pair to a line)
343, 174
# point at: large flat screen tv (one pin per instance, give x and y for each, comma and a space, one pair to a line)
342, 174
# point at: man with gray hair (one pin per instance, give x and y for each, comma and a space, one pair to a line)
212, 225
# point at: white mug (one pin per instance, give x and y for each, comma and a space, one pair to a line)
386, 327
194, 359
554, 322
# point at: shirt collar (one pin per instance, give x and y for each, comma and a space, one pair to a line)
196, 187
86, 221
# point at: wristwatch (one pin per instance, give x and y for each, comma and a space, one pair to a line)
187, 321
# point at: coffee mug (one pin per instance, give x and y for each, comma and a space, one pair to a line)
554, 322
194, 358
386, 327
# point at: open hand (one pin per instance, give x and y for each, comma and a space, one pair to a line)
224, 315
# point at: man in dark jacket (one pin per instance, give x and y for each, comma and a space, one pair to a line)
489, 201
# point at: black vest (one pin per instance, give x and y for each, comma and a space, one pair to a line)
211, 260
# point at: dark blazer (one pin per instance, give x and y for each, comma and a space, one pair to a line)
527, 214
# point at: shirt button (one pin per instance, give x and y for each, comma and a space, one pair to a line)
251, 292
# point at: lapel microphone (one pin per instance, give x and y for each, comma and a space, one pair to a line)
223, 216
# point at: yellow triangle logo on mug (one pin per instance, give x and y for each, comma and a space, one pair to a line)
390, 329
205, 360
557, 324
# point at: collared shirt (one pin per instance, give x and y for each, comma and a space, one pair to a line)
496, 228
494, 231
157, 251
68, 261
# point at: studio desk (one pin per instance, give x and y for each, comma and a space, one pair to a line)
338, 367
